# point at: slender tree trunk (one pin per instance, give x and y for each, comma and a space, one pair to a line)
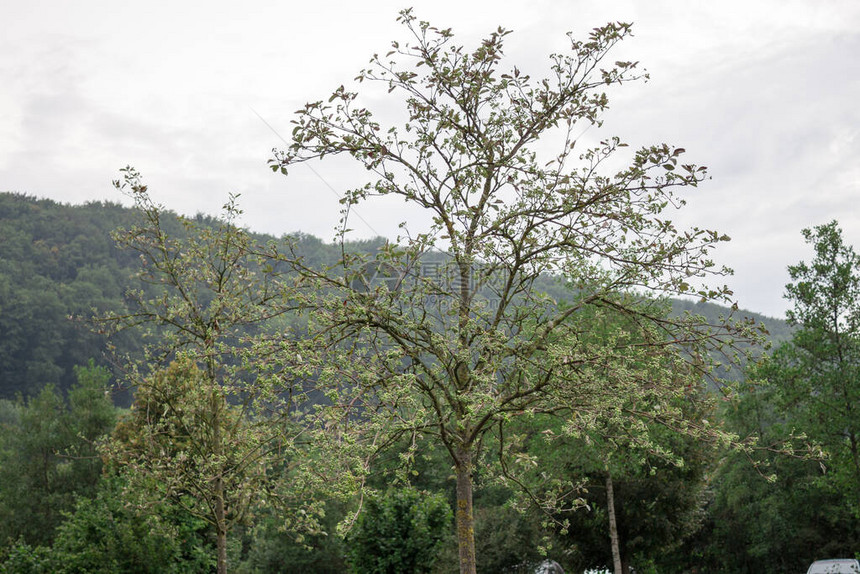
613, 526
465, 518
221, 530
218, 486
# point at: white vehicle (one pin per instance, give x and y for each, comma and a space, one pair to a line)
837, 566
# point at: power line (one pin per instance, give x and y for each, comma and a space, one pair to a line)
322, 179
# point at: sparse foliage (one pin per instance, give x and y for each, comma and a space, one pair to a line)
208, 430
443, 332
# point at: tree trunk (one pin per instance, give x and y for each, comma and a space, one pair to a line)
215, 405
221, 529
613, 526
465, 518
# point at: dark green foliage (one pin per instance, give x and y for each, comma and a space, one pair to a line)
399, 531
818, 371
270, 549
781, 524
808, 509
32, 489
25, 559
109, 533
56, 262
59, 262
506, 538
48, 454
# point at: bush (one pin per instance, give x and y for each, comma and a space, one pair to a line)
399, 531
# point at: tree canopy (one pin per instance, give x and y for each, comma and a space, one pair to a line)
818, 370
457, 346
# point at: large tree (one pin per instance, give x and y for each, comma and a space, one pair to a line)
804, 396
818, 371
446, 331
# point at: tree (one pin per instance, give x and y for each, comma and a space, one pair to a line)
457, 344
180, 445
810, 386
819, 369
807, 389
210, 424
777, 513
48, 454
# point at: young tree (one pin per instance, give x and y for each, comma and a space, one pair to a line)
457, 344
207, 430
629, 461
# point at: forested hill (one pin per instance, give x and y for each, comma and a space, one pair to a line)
58, 261
778, 330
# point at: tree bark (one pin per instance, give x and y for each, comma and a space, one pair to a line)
219, 494
465, 518
613, 526
221, 538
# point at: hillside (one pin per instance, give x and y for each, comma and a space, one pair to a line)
58, 261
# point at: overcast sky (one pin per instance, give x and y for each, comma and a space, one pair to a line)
765, 93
